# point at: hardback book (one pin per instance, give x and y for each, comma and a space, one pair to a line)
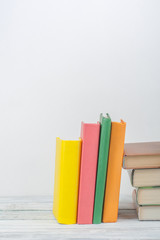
146, 213
113, 179
145, 177
66, 180
90, 144
105, 122
141, 155
148, 196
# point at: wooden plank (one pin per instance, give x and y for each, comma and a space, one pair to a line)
26, 215
31, 218
45, 203
49, 229
26, 203
48, 215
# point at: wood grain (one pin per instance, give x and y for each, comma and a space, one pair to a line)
31, 218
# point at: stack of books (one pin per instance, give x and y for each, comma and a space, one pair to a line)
143, 163
88, 173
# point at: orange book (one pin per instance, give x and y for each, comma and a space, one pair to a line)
113, 179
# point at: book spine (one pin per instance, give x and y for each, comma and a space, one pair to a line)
123, 163
137, 193
56, 195
66, 184
89, 155
130, 174
132, 177
134, 197
102, 169
111, 201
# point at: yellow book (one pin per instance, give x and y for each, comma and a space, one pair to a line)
66, 180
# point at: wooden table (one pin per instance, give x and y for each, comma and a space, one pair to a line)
31, 218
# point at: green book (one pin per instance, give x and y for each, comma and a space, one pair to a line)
105, 122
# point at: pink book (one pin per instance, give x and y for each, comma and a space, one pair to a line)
89, 155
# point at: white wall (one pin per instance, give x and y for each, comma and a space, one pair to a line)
62, 62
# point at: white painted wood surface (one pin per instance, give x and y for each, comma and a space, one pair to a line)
31, 218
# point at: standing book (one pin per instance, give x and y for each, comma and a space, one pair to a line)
67, 166
111, 201
90, 144
105, 122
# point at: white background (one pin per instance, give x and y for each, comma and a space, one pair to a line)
62, 62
